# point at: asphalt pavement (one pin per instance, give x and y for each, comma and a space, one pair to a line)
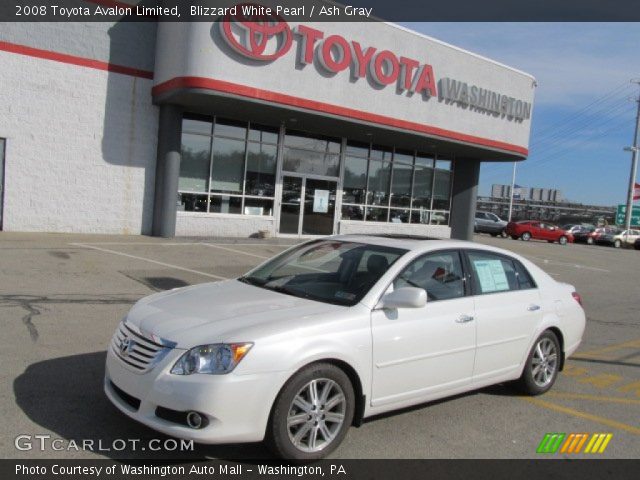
62, 296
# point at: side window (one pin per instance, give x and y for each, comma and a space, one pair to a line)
492, 273
525, 281
439, 274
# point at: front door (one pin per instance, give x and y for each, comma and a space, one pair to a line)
420, 352
308, 206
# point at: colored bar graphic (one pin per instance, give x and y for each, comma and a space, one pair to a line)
550, 443
598, 443
573, 443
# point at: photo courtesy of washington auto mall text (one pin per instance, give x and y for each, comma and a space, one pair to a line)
340, 239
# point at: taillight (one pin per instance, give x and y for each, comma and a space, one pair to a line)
576, 296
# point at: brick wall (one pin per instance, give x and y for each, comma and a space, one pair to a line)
81, 142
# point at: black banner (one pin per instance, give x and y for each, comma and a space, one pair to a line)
578, 469
319, 10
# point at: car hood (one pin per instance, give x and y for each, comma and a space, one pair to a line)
221, 312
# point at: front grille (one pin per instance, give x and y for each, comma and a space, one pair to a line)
139, 351
126, 398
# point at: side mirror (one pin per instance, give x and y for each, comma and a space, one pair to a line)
406, 297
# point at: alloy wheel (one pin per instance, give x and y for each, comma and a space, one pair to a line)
544, 363
316, 415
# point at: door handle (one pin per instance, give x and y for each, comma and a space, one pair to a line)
533, 308
464, 319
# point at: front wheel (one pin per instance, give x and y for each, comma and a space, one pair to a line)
617, 244
312, 413
541, 370
562, 240
526, 236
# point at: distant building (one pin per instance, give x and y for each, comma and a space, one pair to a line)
525, 193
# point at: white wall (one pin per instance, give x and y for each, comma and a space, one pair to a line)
437, 231
81, 148
195, 224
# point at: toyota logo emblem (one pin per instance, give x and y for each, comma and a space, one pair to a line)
126, 346
259, 37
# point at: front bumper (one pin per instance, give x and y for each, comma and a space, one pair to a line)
236, 407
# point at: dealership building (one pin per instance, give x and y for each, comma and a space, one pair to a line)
238, 128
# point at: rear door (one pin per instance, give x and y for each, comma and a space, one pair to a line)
507, 311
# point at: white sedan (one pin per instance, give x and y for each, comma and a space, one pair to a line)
336, 330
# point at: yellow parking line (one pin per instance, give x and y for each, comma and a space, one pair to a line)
609, 348
596, 398
587, 416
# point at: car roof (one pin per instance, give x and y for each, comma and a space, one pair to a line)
416, 242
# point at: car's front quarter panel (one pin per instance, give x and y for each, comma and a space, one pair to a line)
238, 404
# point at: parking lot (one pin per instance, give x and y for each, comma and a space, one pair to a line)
61, 297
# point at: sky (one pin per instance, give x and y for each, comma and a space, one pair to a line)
576, 145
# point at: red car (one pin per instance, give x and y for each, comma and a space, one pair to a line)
529, 229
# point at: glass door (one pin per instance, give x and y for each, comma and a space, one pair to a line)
319, 207
308, 206
290, 214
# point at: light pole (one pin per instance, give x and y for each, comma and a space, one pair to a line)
513, 184
634, 166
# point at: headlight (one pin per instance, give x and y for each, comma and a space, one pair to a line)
216, 359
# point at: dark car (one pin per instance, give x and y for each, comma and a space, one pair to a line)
487, 222
582, 235
605, 236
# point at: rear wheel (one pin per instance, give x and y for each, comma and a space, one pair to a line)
617, 244
526, 236
541, 370
590, 241
312, 413
562, 240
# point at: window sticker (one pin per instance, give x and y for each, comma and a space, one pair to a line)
491, 275
321, 201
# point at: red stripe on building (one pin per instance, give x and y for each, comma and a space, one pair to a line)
283, 99
74, 60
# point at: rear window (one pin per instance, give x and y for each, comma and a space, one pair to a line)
495, 273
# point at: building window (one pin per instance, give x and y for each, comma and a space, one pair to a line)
315, 155
227, 166
392, 185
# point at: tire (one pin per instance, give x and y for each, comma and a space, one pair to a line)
503, 234
536, 380
526, 236
563, 240
617, 244
297, 440
589, 241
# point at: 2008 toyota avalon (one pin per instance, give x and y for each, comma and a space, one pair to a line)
336, 330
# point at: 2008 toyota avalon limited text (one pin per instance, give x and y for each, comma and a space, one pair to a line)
336, 330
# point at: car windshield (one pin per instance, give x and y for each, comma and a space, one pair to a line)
330, 271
